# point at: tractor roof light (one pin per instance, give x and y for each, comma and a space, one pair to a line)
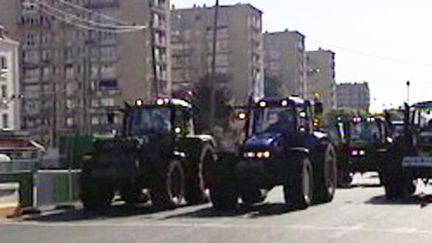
284, 103
262, 104
242, 116
160, 101
139, 102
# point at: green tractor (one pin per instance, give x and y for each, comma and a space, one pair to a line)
156, 150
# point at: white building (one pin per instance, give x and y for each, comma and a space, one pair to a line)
9, 83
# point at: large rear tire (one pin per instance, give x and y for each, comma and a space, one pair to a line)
96, 194
326, 182
195, 191
167, 189
298, 192
223, 188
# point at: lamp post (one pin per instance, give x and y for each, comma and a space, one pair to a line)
408, 83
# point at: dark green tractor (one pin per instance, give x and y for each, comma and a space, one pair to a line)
156, 150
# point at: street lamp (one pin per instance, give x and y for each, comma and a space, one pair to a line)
408, 83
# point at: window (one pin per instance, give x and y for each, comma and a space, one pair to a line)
3, 63
5, 121
4, 91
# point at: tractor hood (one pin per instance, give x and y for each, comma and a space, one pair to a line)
128, 144
263, 141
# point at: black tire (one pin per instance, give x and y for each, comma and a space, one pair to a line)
397, 185
401, 189
223, 188
326, 179
167, 189
132, 194
95, 194
345, 178
298, 192
251, 196
195, 182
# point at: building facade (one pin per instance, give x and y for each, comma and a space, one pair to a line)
353, 95
72, 74
285, 61
9, 83
239, 51
321, 76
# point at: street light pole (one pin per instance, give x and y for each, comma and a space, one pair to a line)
213, 70
408, 83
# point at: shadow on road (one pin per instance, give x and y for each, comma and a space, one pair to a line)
359, 185
253, 211
116, 211
421, 200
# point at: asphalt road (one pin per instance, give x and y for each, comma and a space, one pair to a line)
357, 214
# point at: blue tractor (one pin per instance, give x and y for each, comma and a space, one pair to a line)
281, 147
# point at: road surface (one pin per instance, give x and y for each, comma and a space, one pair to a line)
357, 214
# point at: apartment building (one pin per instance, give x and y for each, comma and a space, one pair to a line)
72, 74
285, 61
9, 83
239, 52
321, 76
353, 95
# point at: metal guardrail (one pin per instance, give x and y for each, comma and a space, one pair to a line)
40, 188
19, 165
56, 187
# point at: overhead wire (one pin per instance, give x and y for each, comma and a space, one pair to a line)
82, 22
76, 6
90, 22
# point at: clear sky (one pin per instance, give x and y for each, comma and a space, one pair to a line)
385, 42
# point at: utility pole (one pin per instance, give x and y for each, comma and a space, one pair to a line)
213, 70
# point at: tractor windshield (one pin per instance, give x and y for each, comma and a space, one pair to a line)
365, 131
145, 121
275, 119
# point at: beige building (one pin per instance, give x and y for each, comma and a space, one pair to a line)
9, 83
239, 55
285, 61
321, 76
353, 95
72, 74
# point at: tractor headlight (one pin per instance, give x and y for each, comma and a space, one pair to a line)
257, 155
354, 152
362, 152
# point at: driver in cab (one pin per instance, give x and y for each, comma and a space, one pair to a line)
285, 124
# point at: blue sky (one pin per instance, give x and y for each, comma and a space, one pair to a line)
385, 42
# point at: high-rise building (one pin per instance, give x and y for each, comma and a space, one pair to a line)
321, 76
73, 73
353, 95
285, 61
9, 83
239, 54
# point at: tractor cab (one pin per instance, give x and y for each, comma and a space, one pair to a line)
165, 117
368, 139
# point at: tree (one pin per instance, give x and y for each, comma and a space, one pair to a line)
201, 101
272, 86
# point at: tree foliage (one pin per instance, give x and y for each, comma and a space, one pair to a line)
201, 101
